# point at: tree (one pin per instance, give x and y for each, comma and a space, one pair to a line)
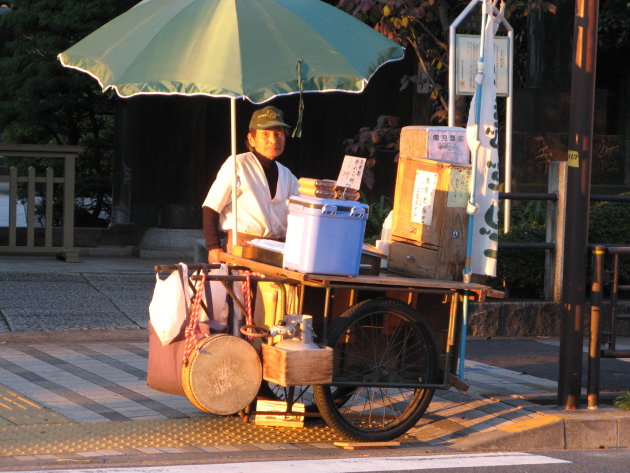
42, 102
421, 26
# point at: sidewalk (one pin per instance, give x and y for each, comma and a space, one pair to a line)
73, 394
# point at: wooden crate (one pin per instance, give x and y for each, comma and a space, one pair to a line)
295, 368
429, 216
430, 263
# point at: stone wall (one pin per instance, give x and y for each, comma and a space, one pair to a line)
527, 319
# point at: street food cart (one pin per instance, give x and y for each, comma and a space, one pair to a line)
385, 340
394, 340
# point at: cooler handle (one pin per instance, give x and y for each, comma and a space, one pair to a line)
328, 209
357, 212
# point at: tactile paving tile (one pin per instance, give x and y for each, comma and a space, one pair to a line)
16, 409
191, 432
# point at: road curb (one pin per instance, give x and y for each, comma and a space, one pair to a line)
606, 427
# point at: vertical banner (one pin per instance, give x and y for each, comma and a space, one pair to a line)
483, 139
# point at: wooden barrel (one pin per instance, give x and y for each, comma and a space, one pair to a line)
223, 374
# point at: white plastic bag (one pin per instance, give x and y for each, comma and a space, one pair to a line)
167, 310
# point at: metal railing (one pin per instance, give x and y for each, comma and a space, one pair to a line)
33, 182
554, 241
595, 352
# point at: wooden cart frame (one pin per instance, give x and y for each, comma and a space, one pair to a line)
386, 364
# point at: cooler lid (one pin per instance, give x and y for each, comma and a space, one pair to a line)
318, 203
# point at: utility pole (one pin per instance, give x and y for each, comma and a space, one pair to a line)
578, 201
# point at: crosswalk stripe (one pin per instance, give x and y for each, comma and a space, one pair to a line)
344, 465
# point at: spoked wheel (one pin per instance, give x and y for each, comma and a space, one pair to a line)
378, 342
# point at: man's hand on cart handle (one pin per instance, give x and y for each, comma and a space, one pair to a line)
215, 255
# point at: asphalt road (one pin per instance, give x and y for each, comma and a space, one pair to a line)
581, 461
539, 357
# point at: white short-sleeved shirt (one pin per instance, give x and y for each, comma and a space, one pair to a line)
258, 213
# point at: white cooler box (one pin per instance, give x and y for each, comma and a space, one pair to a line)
324, 236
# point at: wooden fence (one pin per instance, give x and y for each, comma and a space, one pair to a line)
32, 243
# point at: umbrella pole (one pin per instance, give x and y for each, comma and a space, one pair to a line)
234, 176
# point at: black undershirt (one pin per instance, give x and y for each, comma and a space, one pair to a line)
211, 231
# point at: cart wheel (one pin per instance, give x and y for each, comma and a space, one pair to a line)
378, 341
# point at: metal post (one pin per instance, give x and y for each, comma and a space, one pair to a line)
509, 132
464, 330
30, 208
555, 225
593, 347
234, 175
69, 166
452, 59
578, 195
612, 341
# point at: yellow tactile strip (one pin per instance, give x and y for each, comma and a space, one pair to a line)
16, 409
186, 432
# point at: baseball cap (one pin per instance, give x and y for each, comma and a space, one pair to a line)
266, 118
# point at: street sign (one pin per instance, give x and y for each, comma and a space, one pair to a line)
467, 55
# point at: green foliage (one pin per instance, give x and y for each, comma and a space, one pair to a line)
521, 272
534, 211
368, 142
378, 212
422, 27
623, 402
42, 102
384, 136
609, 222
614, 25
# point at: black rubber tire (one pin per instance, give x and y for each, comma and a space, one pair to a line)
378, 340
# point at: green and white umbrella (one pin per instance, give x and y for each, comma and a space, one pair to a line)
251, 49
232, 48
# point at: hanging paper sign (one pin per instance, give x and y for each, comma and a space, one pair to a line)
351, 172
423, 197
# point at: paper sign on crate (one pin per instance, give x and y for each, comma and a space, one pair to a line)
423, 197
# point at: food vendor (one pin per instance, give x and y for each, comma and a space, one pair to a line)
263, 188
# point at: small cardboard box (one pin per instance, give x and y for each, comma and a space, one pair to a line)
297, 367
440, 143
